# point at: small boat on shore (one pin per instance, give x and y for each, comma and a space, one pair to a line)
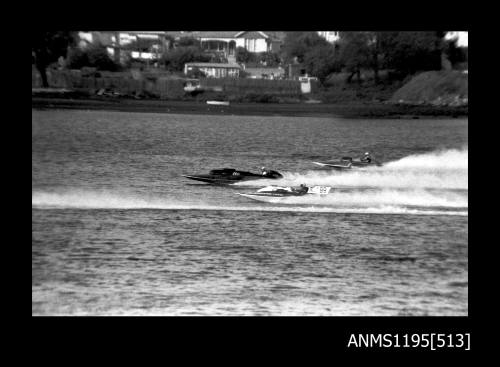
218, 103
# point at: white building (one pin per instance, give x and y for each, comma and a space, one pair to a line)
330, 36
214, 70
226, 42
461, 37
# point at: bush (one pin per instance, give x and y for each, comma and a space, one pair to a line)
99, 58
270, 59
196, 73
188, 42
175, 59
96, 57
77, 59
243, 74
244, 56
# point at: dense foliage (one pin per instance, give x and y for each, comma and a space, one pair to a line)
409, 52
47, 47
313, 51
175, 59
244, 56
403, 52
95, 56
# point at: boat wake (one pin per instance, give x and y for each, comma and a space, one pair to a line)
426, 184
342, 203
440, 170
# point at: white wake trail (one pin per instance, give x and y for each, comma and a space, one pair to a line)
438, 170
423, 184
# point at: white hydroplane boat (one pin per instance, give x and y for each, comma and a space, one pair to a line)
275, 194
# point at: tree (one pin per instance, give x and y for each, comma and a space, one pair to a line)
297, 44
356, 52
269, 58
99, 58
316, 54
409, 52
196, 73
142, 44
47, 47
404, 52
320, 62
188, 42
94, 56
77, 58
175, 59
243, 55
455, 53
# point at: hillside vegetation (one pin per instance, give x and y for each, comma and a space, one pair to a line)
449, 88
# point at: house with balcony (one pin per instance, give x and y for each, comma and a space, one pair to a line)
224, 43
220, 43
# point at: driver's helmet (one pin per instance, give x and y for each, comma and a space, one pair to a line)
302, 185
263, 168
367, 153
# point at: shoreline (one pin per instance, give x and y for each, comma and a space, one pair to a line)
353, 110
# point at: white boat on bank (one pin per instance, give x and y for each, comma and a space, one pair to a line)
218, 103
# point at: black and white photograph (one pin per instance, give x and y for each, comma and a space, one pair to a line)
249, 173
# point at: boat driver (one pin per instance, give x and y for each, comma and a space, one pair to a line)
264, 171
366, 158
302, 189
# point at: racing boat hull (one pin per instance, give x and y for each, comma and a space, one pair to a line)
336, 166
222, 180
277, 194
227, 176
343, 165
274, 199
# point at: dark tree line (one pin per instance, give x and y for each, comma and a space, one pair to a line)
404, 52
47, 47
95, 56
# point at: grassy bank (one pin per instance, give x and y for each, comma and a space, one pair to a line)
435, 88
428, 94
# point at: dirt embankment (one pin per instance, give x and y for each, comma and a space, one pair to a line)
435, 88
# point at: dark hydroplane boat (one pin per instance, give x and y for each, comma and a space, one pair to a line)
274, 194
226, 176
349, 162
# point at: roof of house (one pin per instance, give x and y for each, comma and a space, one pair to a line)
252, 34
202, 34
213, 65
227, 34
275, 35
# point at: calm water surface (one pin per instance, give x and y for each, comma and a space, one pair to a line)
117, 230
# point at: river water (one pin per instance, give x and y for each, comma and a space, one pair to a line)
116, 229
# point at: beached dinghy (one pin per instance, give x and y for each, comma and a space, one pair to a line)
218, 103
